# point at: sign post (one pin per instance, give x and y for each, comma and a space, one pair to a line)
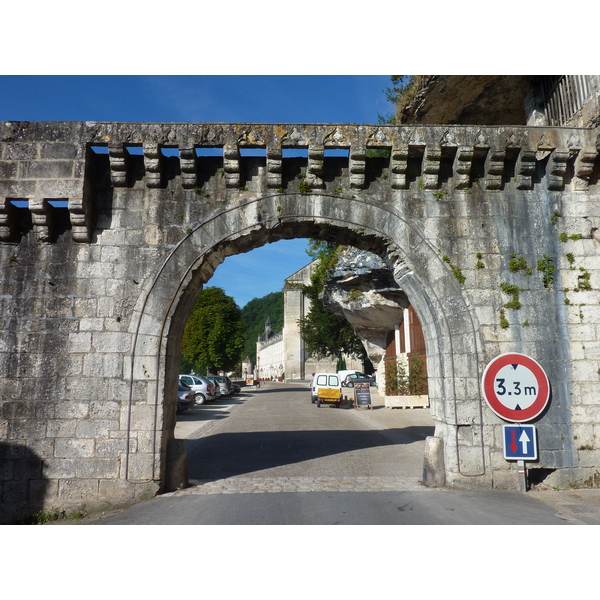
520, 442
517, 389
362, 395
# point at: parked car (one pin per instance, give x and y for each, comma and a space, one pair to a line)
325, 387
217, 388
224, 384
237, 388
204, 389
352, 378
185, 397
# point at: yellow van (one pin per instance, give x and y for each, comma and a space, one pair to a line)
326, 387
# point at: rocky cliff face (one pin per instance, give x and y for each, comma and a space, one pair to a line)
471, 99
362, 289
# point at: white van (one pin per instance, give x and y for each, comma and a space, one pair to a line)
326, 387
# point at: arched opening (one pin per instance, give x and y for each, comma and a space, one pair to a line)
449, 330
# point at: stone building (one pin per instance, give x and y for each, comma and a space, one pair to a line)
283, 353
269, 354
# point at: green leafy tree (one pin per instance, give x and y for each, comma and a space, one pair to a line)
214, 334
326, 333
322, 331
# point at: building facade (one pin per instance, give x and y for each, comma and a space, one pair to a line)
282, 355
270, 355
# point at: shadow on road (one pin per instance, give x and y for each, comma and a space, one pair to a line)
225, 455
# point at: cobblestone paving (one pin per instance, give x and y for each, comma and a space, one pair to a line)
272, 485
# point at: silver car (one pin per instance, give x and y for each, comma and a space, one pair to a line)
215, 383
225, 384
203, 389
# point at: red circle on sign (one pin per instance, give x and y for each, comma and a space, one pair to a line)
500, 397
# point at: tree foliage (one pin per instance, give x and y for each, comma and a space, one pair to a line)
325, 333
255, 314
401, 93
322, 331
214, 334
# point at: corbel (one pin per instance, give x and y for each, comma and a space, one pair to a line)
117, 157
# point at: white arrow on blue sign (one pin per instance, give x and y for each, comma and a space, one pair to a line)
520, 442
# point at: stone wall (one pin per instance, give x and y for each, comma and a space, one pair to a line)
270, 357
105, 242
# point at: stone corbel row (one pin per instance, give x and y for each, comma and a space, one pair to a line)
495, 164
118, 161
42, 218
432, 155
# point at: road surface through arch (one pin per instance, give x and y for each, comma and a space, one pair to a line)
275, 438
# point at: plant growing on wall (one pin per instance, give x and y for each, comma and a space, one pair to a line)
546, 267
455, 270
304, 188
518, 263
512, 290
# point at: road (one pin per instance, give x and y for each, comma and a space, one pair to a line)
271, 457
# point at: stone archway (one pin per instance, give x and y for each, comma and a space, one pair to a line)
104, 249
449, 328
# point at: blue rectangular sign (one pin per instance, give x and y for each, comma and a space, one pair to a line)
520, 442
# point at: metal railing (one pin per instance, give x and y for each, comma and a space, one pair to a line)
563, 96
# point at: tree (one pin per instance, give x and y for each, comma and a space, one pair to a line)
326, 333
214, 335
322, 331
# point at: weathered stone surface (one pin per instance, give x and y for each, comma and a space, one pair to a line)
362, 289
93, 314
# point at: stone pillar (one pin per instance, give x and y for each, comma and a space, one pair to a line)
434, 472
294, 309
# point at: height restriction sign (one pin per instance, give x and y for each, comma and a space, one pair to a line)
516, 387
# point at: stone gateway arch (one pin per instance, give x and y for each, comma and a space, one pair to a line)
108, 231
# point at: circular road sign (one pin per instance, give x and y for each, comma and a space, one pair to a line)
515, 387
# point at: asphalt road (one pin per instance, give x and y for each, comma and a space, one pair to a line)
270, 457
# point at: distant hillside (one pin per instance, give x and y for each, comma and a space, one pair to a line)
255, 314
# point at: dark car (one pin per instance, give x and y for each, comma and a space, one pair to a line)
185, 397
351, 379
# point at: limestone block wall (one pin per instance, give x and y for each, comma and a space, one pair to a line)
270, 357
106, 239
294, 308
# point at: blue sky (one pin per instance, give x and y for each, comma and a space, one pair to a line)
206, 98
